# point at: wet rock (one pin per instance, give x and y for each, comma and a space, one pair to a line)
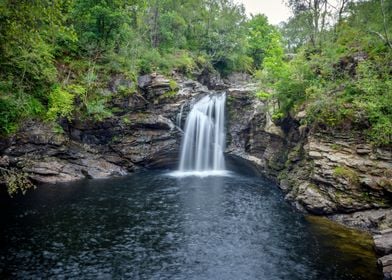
238, 79
251, 133
272, 128
4, 161
385, 263
383, 242
154, 85
383, 246
370, 220
54, 170
313, 200
144, 81
300, 115
354, 181
212, 79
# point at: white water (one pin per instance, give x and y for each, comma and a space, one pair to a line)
202, 174
179, 116
203, 143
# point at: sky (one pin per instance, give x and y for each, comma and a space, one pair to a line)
275, 10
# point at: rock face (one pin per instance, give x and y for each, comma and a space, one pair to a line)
383, 246
372, 221
321, 172
251, 135
49, 157
143, 132
345, 174
383, 242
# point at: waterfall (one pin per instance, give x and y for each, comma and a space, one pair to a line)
179, 116
203, 142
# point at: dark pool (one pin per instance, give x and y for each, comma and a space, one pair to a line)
153, 226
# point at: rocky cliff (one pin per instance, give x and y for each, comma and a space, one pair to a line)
144, 131
321, 172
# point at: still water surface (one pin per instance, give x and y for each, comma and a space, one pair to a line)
151, 225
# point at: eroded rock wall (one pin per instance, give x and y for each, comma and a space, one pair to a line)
322, 173
338, 173
144, 130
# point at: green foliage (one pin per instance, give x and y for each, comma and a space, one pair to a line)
81, 44
58, 129
375, 99
97, 109
278, 115
58, 57
263, 96
61, 104
340, 76
9, 114
16, 181
17, 106
346, 173
173, 85
263, 40
126, 120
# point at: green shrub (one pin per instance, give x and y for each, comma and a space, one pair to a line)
149, 61
263, 96
9, 115
16, 108
61, 104
182, 61
97, 109
173, 85
16, 180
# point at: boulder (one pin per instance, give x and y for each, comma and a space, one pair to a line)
4, 161
383, 242
144, 81
374, 220
212, 79
385, 263
383, 246
154, 85
313, 200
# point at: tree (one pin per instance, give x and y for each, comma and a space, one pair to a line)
314, 15
261, 36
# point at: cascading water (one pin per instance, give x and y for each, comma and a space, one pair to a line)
179, 116
203, 142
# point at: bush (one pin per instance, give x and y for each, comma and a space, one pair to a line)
15, 108
16, 180
97, 109
9, 115
149, 61
61, 104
